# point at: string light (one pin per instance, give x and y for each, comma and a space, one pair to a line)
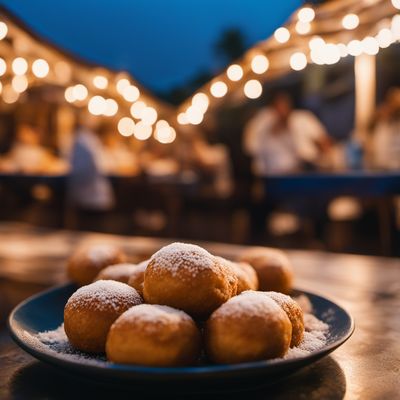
259, 64
19, 83
137, 109
282, 35
69, 94
10, 96
194, 115
3, 30
253, 89
370, 46
302, 28
111, 108
122, 84
234, 72
40, 68
384, 38
219, 89
316, 43
19, 66
126, 126
80, 92
100, 82
165, 134
201, 101
306, 14
350, 21
142, 131
130, 93
354, 47
3, 67
149, 116
396, 4
298, 61
97, 105
182, 119
331, 54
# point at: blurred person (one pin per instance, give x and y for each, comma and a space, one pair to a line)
28, 156
386, 133
116, 158
88, 189
281, 139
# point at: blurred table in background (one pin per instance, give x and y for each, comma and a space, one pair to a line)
318, 188
365, 367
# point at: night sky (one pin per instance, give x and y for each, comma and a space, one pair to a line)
162, 43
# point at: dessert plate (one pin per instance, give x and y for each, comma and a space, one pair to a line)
44, 312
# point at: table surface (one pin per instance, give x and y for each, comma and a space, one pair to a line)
365, 367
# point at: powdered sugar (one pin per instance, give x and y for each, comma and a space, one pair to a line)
178, 256
153, 317
248, 303
117, 272
97, 253
104, 295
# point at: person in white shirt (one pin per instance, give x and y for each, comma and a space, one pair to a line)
88, 188
281, 140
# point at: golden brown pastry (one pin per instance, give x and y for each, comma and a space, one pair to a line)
245, 273
88, 261
153, 335
189, 278
117, 272
294, 312
136, 279
274, 270
248, 327
92, 309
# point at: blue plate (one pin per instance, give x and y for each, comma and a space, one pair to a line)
45, 312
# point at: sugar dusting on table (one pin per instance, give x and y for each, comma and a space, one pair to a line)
315, 337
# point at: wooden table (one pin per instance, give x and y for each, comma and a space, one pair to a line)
365, 367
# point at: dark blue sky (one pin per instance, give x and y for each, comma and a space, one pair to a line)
162, 43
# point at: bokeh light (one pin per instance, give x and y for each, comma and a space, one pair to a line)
149, 116
259, 64
350, 21
97, 105
19, 83
80, 92
282, 35
253, 89
306, 14
298, 61
19, 66
40, 68
234, 72
142, 131
130, 93
111, 108
219, 89
3, 30
3, 67
137, 109
100, 82
126, 126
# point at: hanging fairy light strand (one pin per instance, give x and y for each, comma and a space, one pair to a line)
299, 43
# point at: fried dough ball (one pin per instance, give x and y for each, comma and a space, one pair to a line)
136, 279
92, 309
88, 261
117, 272
245, 273
248, 327
153, 335
189, 278
274, 270
295, 314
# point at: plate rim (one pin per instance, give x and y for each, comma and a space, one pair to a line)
53, 357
